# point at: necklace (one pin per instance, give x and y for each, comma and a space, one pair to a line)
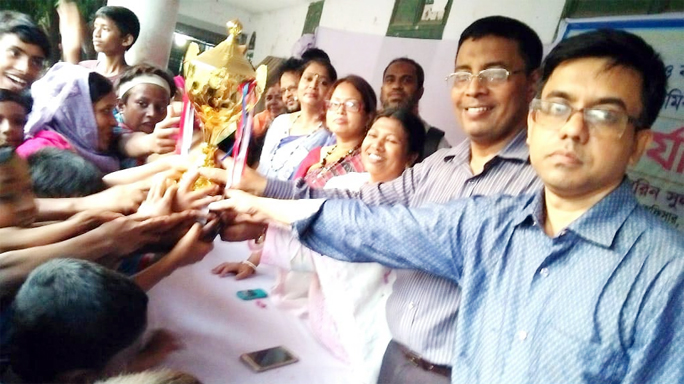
324, 160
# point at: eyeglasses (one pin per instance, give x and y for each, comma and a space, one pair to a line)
486, 77
602, 121
291, 89
350, 105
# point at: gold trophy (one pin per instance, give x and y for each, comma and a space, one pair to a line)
214, 82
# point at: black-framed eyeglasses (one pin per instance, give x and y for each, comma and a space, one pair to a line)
486, 77
350, 105
600, 120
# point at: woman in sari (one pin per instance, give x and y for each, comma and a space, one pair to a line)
292, 136
350, 110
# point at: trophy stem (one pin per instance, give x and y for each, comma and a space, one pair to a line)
209, 152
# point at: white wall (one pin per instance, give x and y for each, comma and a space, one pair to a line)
278, 31
361, 16
540, 15
212, 16
156, 28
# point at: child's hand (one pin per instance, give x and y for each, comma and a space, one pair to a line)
240, 270
186, 198
163, 138
159, 199
190, 248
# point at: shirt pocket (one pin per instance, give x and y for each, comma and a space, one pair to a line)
564, 358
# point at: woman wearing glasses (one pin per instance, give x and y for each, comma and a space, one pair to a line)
349, 112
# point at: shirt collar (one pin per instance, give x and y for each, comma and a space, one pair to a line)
599, 224
516, 149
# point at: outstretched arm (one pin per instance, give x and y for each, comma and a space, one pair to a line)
399, 237
12, 238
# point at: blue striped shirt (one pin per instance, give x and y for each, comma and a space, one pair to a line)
422, 309
601, 302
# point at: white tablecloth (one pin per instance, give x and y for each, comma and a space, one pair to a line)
216, 327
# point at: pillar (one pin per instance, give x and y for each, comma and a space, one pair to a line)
157, 23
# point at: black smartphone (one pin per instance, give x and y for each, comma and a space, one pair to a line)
269, 358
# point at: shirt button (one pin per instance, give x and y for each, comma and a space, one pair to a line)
544, 272
522, 335
411, 305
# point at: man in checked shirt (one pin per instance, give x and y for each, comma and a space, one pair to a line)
500, 57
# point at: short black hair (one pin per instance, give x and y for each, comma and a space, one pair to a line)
314, 53
529, 45
147, 69
420, 74
22, 98
59, 173
292, 64
621, 49
73, 314
27, 31
124, 18
413, 126
99, 86
332, 73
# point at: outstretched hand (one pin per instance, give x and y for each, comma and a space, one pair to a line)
163, 138
186, 198
250, 181
159, 201
249, 208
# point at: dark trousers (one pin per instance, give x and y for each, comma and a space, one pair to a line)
397, 369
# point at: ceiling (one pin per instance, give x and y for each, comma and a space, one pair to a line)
254, 6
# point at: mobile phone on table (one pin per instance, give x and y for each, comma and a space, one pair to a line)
251, 294
269, 358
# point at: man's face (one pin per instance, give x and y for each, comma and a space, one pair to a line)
107, 37
289, 83
575, 159
400, 86
104, 116
20, 62
490, 114
12, 121
17, 205
145, 107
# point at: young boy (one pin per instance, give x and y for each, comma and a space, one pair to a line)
115, 30
71, 318
23, 49
14, 108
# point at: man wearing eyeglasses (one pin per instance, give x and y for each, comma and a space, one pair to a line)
492, 108
290, 72
576, 283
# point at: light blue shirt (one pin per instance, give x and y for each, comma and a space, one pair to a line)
602, 302
422, 309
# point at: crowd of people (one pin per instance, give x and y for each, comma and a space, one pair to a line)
519, 255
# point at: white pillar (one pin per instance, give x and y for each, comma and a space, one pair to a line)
157, 23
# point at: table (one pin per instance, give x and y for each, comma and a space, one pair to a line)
216, 327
